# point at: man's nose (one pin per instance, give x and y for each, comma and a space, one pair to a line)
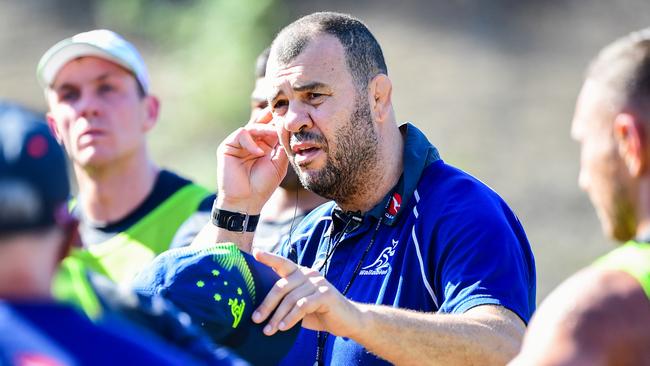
88, 106
297, 118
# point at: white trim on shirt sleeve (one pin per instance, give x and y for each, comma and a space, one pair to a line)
419, 254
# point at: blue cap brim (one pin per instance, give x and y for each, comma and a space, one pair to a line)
219, 287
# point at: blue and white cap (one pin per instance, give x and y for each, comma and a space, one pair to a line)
101, 43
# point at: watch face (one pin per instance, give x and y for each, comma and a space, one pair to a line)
236, 223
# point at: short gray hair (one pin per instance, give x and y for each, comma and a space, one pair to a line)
624, 67
363, 54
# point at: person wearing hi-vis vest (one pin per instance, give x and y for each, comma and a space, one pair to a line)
101, 110
36, 232
601, 315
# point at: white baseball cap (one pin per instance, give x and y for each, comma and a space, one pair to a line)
101, 43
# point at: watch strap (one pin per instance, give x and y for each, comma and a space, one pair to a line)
234, 221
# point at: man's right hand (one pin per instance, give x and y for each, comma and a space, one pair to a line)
251, 163
303, 294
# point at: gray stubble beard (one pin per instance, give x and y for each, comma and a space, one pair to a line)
348, 173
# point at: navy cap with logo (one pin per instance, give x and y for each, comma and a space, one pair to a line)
219, 286
33, 175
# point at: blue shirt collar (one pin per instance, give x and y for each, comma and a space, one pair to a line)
418, 154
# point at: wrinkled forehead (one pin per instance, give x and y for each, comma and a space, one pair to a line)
322, 61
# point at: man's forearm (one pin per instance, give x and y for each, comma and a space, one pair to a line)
485, 335
212, 234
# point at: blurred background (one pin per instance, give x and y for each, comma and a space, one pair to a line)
492, 83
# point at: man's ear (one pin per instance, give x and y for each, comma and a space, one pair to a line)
152, 105
380, 93
629, 134
53, 128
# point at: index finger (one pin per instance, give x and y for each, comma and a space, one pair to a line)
260, 130
282, 266
264, 116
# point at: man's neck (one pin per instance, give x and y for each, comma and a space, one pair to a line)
642, 208
386, 174
108, 194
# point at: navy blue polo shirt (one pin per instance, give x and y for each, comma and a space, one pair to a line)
446, 243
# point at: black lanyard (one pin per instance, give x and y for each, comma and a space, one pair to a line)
321, 336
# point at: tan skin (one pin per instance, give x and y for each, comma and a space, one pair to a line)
601, 317
581, 323
28, 260
96, 113
316, 92
27, 264
290, 197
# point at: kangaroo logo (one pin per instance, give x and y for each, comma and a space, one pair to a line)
381, 265
237, 310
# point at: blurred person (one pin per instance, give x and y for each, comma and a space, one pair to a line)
36, 232
258, 96
101, 109
414, 261
290, 202
601, 315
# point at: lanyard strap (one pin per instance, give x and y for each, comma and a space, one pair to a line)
321, 336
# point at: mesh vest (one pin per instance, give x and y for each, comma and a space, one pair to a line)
632, 258
121, 257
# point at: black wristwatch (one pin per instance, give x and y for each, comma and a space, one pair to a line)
234, 221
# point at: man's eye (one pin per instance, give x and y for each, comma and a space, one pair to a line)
104, 88
315, 97
69, 95
280, 104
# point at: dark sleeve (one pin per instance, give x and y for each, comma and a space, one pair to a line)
18, 338
193, 225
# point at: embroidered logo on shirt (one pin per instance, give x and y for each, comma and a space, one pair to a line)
380, 266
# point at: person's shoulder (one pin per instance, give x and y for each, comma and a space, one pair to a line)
595, 315
173, 182
169, 177
21, 337
452, 192
444, 178
605, 300
173, 179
